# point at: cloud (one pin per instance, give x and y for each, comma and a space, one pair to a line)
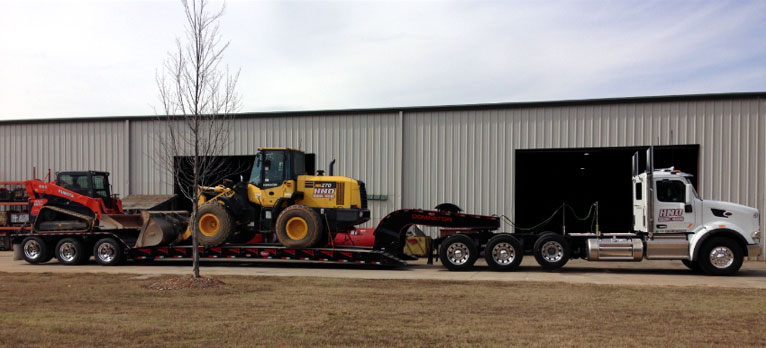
99, 58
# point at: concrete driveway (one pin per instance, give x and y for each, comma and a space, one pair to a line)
671, 273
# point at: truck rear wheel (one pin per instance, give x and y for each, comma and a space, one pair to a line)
35, 250
214, 225
299, 226
71, 251
108, 252
720, 256
552, 251
503, 253
458, 253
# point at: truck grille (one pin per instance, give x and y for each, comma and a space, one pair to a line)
363, 193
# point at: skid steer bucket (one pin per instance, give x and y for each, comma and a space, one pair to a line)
162, 227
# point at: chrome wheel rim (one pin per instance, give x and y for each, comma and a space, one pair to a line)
503, 253
32, 249
721, 257
67, 252
552, 251
106, 252
458, 253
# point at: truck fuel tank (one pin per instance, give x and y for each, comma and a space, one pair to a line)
615, 249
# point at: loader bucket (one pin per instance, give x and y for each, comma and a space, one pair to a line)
162, 227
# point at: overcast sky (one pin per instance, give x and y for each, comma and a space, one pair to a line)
98, 58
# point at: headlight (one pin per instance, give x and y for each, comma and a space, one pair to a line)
756, 237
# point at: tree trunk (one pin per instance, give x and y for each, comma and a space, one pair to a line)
195, 245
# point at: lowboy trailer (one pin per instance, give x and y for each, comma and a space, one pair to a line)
114, 247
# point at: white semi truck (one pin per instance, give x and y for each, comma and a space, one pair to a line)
670, 222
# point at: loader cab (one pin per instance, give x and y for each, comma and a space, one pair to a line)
273, 166
91, 183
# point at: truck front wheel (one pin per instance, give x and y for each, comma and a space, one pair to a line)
552, 251
692, 265
720, 256
458, 253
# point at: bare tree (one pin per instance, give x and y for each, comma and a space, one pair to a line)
198, 97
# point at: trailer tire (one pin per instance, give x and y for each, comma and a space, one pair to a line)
552, 251
720, 256
458, 253
108, 252
299, 226
71, 251
692, 265
503, 253
214, 225
35, 250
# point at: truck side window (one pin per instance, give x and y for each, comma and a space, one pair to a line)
639, 191
671, 191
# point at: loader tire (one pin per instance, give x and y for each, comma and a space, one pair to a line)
214, 225
299, 226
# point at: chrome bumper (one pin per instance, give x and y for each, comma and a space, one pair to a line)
753, 250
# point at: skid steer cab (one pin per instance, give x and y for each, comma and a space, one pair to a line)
282, 200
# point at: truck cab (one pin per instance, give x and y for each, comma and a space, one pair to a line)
676, 223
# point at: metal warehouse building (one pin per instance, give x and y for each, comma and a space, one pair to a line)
487, 158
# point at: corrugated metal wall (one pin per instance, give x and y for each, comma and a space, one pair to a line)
422, 157
467, 157
62, 146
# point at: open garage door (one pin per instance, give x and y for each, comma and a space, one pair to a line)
233, 166
549, 177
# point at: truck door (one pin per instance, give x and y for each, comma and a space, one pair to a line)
640, 208
670, 210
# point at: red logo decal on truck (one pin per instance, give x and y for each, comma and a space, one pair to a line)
671, 215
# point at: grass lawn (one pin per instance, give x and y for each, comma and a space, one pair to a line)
118, 310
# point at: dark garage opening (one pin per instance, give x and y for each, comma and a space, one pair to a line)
233, 166
579, 177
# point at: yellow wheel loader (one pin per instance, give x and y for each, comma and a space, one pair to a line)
282, 200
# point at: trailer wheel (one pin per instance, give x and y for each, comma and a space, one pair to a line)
720, 256
35, 250
299, 226
552, 251
503, 253
70, 251
108, 252
458, 253
214, 225
692, 265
